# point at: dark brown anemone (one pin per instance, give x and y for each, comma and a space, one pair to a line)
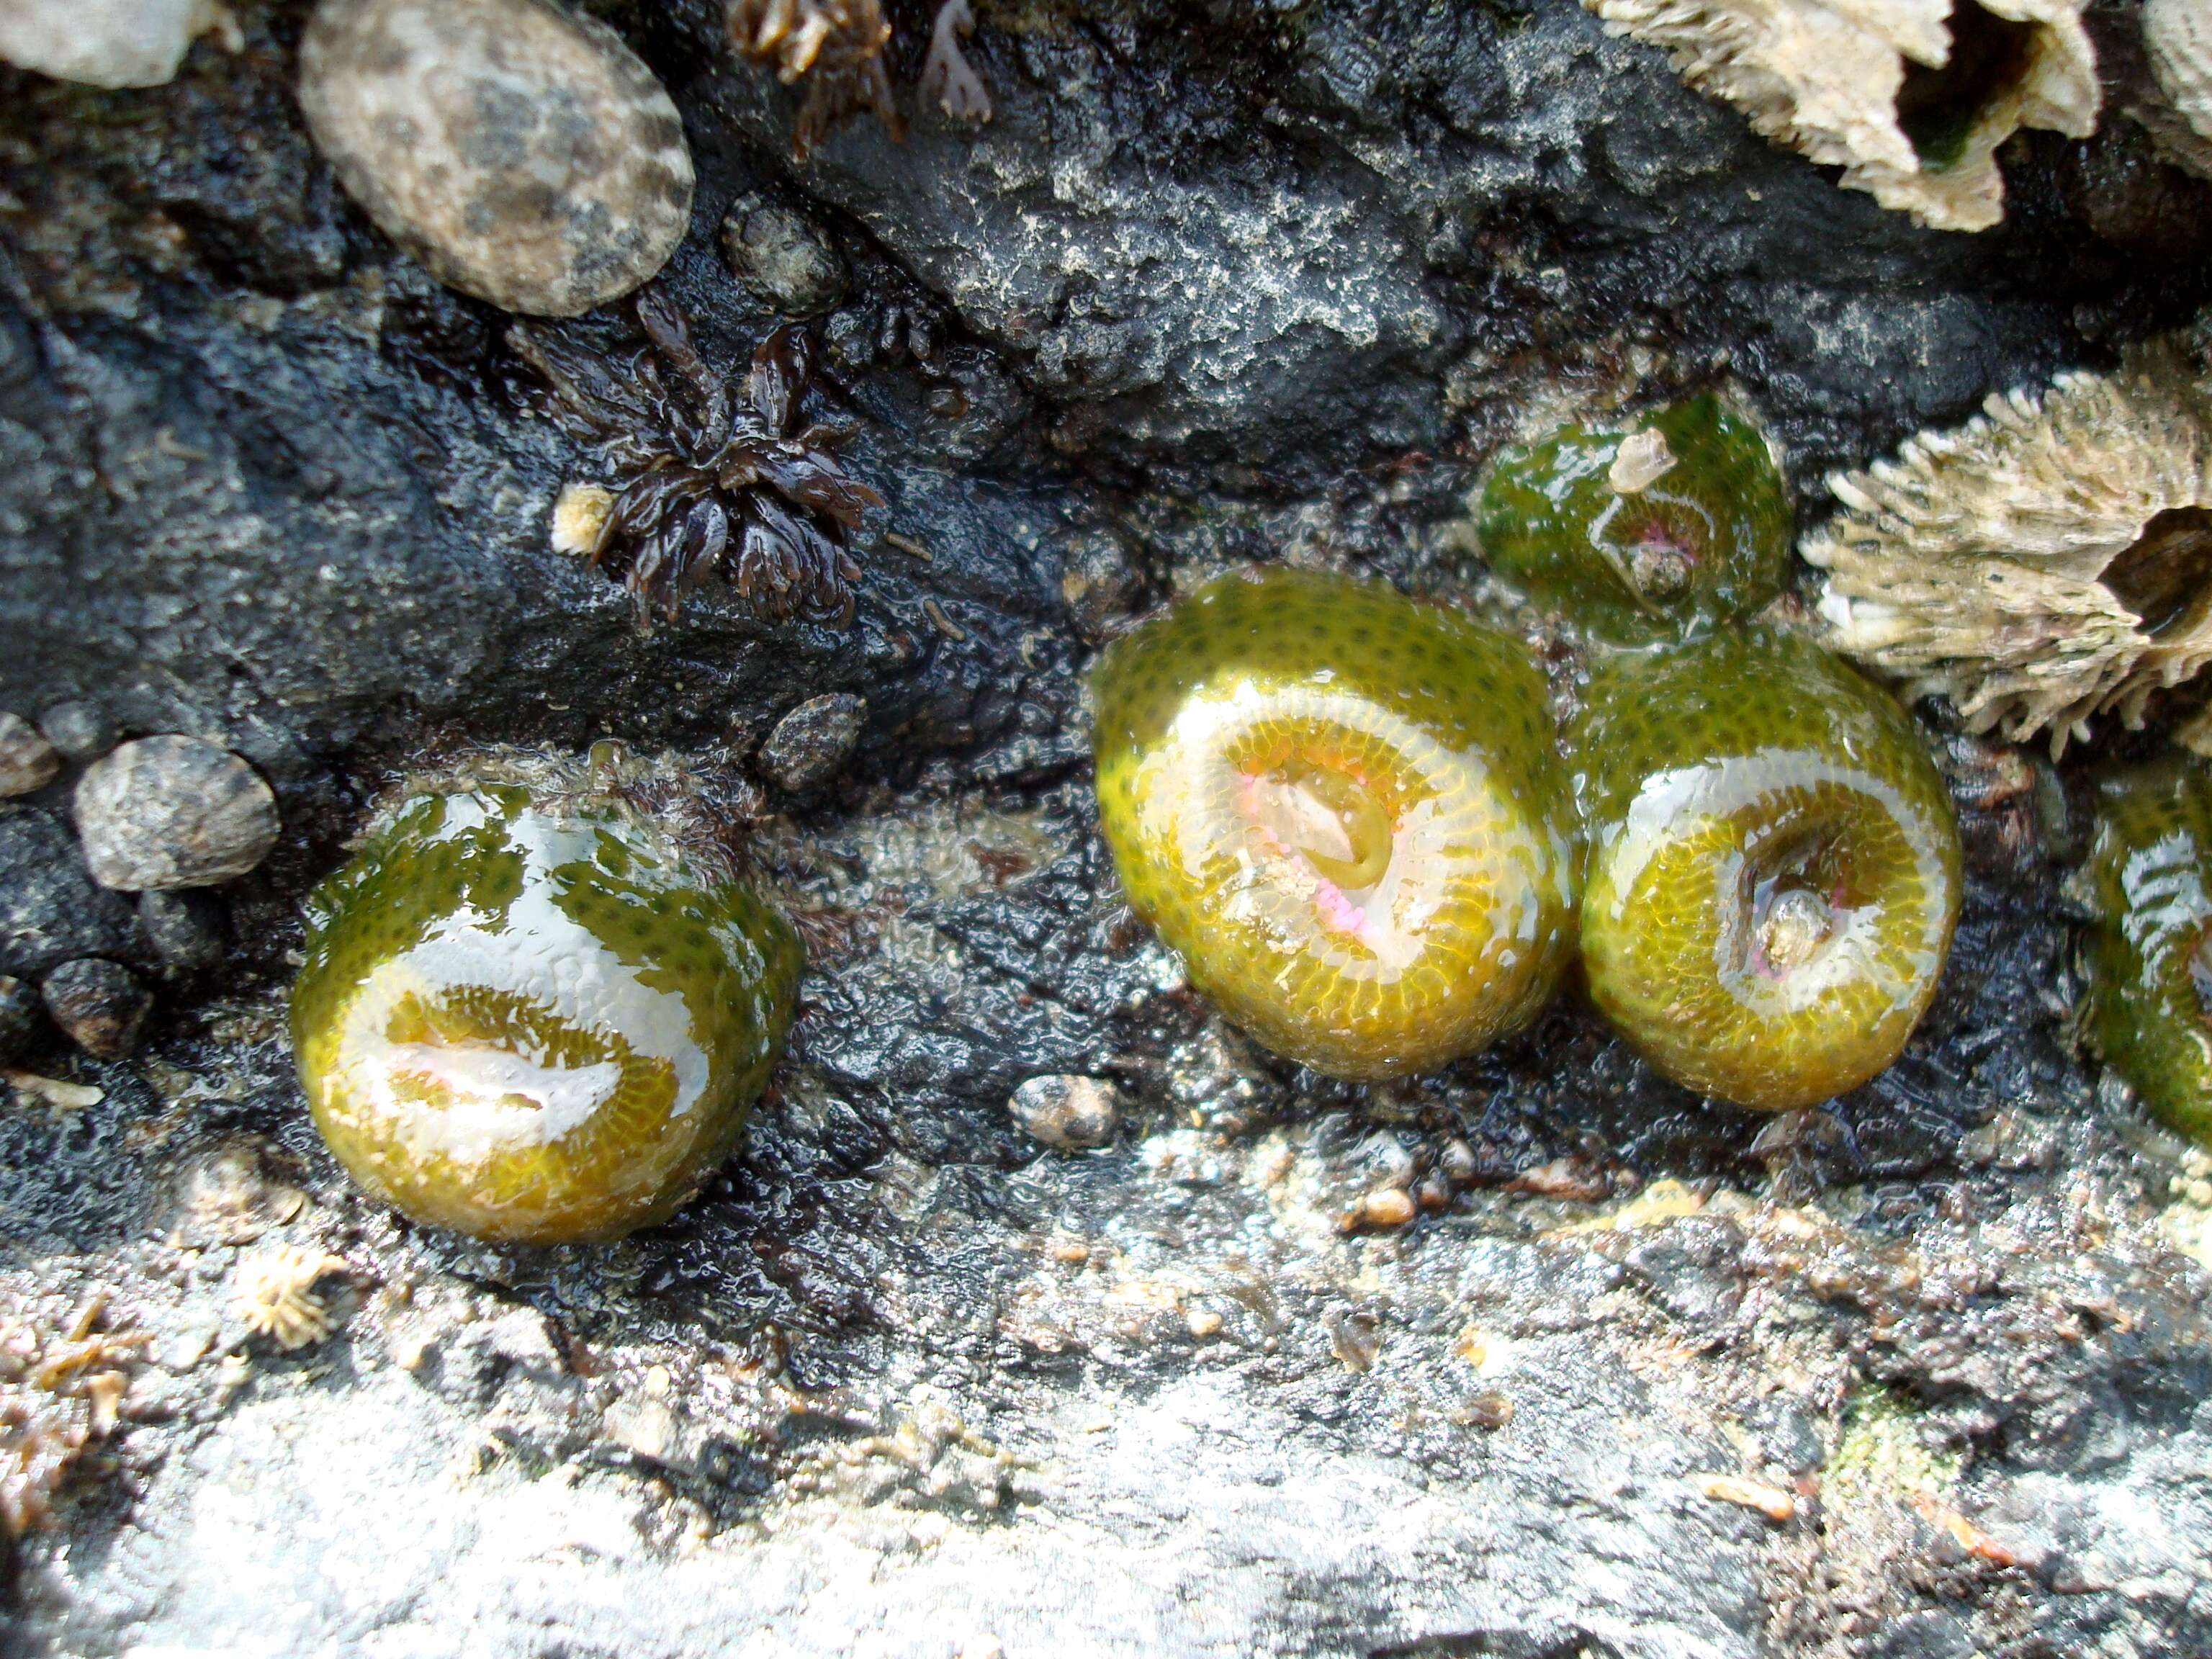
709, 473
837, 46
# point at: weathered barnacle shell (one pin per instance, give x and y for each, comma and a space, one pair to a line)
2046, 563
107, 43
2178, 41
524, 154
1911, 98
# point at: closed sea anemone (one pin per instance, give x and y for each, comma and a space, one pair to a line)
536, 1009
1651, 531
2048, 563
708, 472
1343, 809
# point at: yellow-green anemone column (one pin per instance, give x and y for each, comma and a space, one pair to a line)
2149, 951
536, 1022
1773, 874
1343, 810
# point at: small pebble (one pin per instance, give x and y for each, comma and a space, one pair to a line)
812, 744
80, 731
100, 1004
20, 1018
185, 926
28, 761
781, 259
172, 812
1072, 1114
1383, 1206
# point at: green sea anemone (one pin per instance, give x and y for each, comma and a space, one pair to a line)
1344, 809
536, 1018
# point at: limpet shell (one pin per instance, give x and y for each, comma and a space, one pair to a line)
525, 155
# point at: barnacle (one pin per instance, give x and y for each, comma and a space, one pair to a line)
1649, 532
274, 1294
2047, 563
2149, 951
537, 1011
1911, 98
1773, 866
2177, 41
836, 45
1343, 809
709, 472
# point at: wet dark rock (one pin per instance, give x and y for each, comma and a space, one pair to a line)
50, 909
81, 731
188, 928
172, 812
1070, 1114
99, 1005
22, 1017
28, 761
810, 744
783, 261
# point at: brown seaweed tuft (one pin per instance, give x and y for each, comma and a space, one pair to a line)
709, 472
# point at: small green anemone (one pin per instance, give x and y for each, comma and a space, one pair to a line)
536, 1022
2148, 952
1648, 532
1344, 809
1773, 872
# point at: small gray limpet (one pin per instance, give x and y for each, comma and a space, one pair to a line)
525, 155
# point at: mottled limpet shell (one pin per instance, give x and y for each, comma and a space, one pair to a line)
1773, 871
2047, 563
536, 1019
2148, 952
1343, 810
523, 153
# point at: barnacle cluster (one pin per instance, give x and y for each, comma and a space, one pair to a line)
2177, 41
2048, 563
1347, 812
535, 1008
708, 472
1911, 98
2148, 949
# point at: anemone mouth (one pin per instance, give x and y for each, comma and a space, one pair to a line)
2165, 575
1939, 107
1333, 819
1657, 543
